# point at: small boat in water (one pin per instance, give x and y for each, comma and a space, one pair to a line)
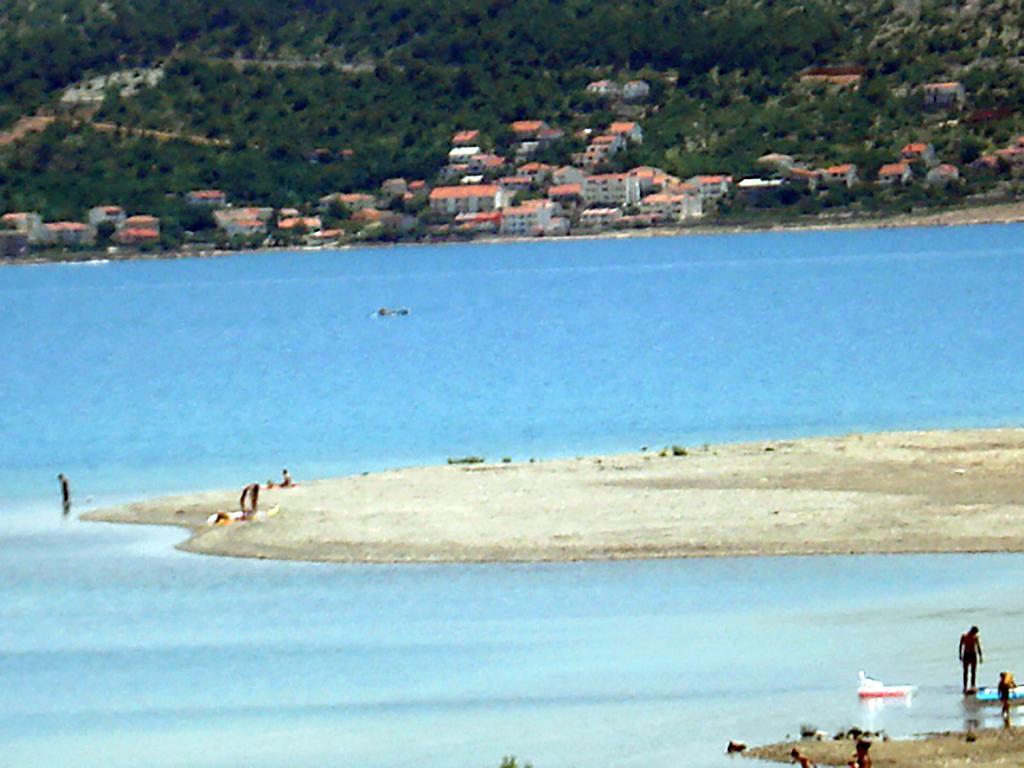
392, 312
869, 688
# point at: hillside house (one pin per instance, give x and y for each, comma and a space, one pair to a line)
102, 214
136, 236
636, 91
516, 183
711, 187
243, 227
606, 89
142, 221
568, 174
611, 189
463, 154
539, 173
27, 223
530, 220
209, 198
844, 174
525, 130
944, 95
601, 148
801, 177
664, 206
569, 196
652, 179
394, 187
486, 163
631, 132
942, 174
919, 152
69, 233
468, 198
466, 138
895, 173
757, 192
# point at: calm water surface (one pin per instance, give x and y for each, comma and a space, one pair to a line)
142, 378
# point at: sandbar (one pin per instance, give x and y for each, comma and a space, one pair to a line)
895, 492
991, 748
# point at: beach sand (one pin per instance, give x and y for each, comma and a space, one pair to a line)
993, 748
939, 491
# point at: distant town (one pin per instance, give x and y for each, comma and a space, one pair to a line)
479, 193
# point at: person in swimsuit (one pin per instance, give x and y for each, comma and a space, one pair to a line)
252, 493
1006, 684
971, 656
286, 479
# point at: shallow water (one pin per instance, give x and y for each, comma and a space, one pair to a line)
141, 378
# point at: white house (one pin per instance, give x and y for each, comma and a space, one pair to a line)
664, 206
527, 219
630, 131
636, 91
101, 214
611, 189
711, 187
468, 198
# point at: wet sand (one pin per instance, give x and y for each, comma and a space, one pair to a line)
939, 491
993, 748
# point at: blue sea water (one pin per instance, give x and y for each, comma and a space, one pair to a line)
149, 377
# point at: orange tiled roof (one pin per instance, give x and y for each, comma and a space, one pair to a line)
621, 127
893, 169
527, 126
464, 191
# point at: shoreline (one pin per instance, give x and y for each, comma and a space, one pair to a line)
998, 213
883, 493
988, 748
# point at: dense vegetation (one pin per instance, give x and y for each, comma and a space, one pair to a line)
375, 89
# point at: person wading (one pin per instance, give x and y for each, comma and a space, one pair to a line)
971, 656
65, 493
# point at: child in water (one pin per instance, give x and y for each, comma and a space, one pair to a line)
1006, 684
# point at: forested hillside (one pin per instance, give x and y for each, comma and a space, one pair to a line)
377, 88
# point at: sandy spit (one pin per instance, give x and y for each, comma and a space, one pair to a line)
939, 491
941, 750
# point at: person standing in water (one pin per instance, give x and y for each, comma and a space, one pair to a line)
971, 656
65, 493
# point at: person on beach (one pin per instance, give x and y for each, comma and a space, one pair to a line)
861, 758
251, 493
65, 493
1006, 684
801, 759
971, 656
286, 479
